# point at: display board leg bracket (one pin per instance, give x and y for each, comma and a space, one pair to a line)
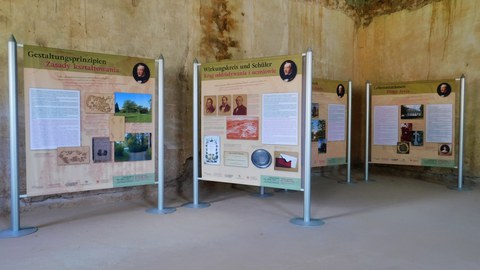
196, 205
262, 193
457, 188
17, 233
158, 211
346, 182
284, 190
307, 223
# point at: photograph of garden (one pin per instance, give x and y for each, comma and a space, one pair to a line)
136, 147
135, 107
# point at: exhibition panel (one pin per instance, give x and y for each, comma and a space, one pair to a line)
89, 120
251, 121
329, 122
413, 123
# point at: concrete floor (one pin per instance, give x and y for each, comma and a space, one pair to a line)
393, 223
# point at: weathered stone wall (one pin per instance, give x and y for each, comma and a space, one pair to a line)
137, 28
439, 40
181, 30
365, 10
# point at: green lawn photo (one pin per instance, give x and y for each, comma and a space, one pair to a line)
136, 107
136, 117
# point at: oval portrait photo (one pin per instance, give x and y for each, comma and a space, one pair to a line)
340, 90
141, 73
444, 89
288, 71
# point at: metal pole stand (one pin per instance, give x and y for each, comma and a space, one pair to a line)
15, 230
306, 221
349, 179
159, 65
195, 204
367, 133
160, 209
460, 186
262, 193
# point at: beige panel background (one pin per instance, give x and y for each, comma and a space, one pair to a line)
43, 175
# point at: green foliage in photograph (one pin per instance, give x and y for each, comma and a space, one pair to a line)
137, 142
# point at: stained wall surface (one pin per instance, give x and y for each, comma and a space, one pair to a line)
180, 30
437, 41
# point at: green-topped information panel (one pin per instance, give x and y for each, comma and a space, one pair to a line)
413, 123
329, 122
251, 121
89, 120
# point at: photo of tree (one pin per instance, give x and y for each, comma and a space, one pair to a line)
318, 130
135, 107
135, 147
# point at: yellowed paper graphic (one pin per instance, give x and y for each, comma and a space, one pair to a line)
117, 128
236, 159
98, 103
73, 155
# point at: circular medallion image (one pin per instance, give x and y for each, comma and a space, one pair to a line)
261, 158
403, 148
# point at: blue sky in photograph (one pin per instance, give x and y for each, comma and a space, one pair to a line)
315, 125
140, 99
